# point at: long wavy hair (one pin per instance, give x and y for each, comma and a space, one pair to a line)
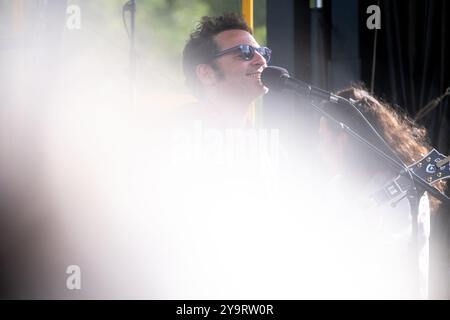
408, 140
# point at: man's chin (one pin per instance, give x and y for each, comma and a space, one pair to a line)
261, 87
262, 90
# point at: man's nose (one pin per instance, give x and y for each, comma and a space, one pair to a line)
258, 59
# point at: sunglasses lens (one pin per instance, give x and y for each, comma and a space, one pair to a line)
265, 52
247, 52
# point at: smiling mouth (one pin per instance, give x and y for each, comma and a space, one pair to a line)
256, 75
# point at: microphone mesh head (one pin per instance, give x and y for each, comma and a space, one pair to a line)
274, 77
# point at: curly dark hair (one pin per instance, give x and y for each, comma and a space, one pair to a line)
408, 140
201, 46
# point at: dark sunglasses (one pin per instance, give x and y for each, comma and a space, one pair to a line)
247, 52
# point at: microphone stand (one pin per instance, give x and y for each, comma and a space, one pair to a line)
414, 191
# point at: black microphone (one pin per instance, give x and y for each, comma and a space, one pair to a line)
278, 79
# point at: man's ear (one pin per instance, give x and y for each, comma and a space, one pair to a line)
206, 74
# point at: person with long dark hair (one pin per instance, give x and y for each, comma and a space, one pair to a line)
357, 173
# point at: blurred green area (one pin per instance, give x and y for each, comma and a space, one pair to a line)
162, 29
163, 26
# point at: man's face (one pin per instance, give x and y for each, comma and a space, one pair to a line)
236, 76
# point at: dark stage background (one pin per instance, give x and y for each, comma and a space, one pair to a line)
327, 44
